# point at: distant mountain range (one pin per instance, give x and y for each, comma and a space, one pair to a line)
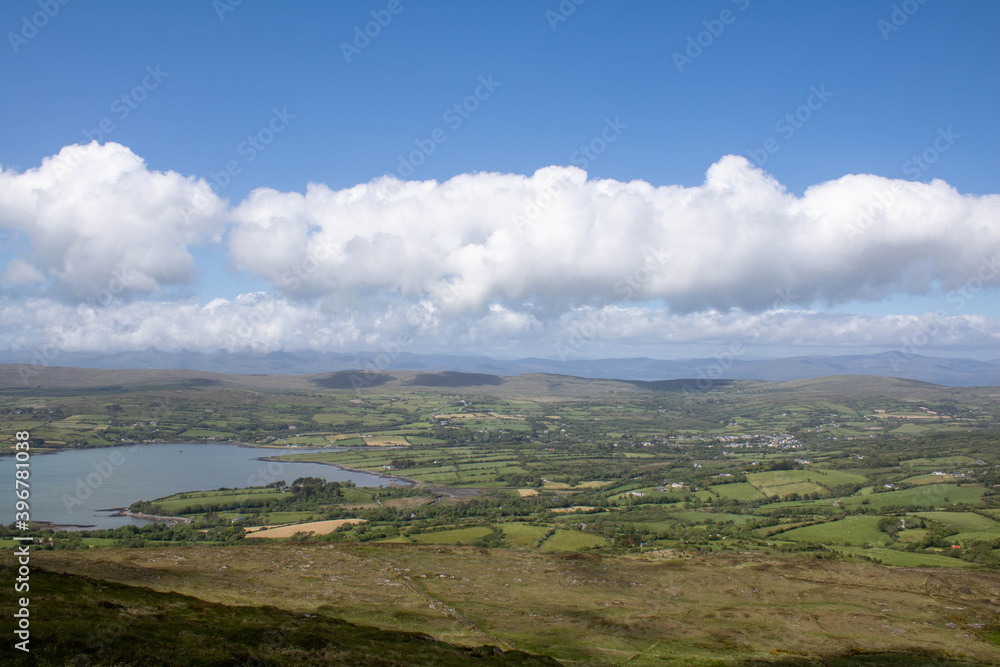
939, 370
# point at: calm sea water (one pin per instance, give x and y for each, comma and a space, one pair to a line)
73, 487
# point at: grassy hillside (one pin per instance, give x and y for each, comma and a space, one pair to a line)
85, 621
578, 608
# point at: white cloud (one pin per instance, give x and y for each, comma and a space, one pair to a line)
559, 241
544, 264
98, 219
262, 322
20, 272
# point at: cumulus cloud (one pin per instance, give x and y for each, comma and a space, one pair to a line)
557, 241
552, 263
261, 322
20, 272
97, 217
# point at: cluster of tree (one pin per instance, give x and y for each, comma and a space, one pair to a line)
519, 479
889, 525
305, 493
140, 536
313, 490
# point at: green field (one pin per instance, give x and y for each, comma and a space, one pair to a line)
711, 517
195, 433
911, 429
572, 540
305, 441
755, 571
279, 518
903, 558
854, 530
787, 482
455, 536
920, 480
940, 462
523, 536
963, 522
936, 495
737, 491
180, 502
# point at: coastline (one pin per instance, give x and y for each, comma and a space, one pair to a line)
271, 454
413, 483
153, 517
237, 443
135, 443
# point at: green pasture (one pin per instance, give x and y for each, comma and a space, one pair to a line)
854, 530
207, 433
182, 501
572, 540
524, 536
281, 518
904, 558
453, 536
940, 461
813, 480
963, 522
737, 491
931, 495
696, 516
920, 480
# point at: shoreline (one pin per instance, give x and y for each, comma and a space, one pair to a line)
414, 483
152, 517
135, 443
271, 455
51, 525
236, 443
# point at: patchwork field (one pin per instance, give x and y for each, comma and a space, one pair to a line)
603, 522
786, 482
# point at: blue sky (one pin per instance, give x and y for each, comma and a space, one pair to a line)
182, 86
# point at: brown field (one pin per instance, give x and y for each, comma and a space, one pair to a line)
314, 527
527, 493
574, 508
386, 442
915, 416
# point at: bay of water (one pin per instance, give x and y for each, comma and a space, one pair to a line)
72, 487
